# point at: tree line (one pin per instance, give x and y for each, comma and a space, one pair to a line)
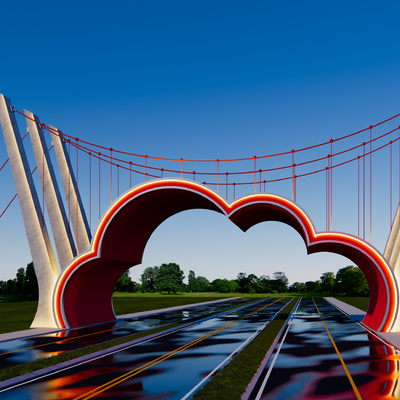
25, 284
169, 278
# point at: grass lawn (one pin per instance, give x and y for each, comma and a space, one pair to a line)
359, 302
16, 316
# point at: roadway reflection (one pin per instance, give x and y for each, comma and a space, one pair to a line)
19, 351
308, 366
195, 354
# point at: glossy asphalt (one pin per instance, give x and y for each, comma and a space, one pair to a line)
17, 351
308, 367
167, 367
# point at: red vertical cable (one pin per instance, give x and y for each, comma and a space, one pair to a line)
145, 157
194, 176
111, 164
117, 180
370, 183
255, 168
260, 178
331, 186
90, 191
162, 172
358, 196
130, 174
99, 184
293, 165
226, 174
390, 185
77, 204
182, 168
328, 193
234, 186
43, 168
327, 196
364, 191
264, 185
217, 176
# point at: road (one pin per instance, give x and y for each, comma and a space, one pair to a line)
18, 351
306, 365
169, 366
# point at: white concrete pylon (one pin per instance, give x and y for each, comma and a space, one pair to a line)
38, 238
392, 249
78, 217
62, 234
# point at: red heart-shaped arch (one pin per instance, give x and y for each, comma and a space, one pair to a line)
83, 293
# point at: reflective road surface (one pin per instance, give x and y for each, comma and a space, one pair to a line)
19, 351
167, 367
309, 367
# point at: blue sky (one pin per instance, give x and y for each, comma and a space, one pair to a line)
205, 80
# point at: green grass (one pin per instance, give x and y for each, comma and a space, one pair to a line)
231, 382
359, 302
16, 316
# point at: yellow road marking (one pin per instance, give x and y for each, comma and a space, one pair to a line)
127, 375
340, 357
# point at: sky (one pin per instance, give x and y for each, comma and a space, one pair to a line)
207, 80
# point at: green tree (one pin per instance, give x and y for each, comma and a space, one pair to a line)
351, 281
169, 278
234, 285
11, 287
3, 288
125, 283
313, 286
281, 282
243, 282
264, 284
222, 286
203, 285
31, 283
298, 287
328, 282
253, 284
192, 281
20, 283
148, 279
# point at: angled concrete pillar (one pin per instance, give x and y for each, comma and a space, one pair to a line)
62, 234
78, 217
39, 243
392, 249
